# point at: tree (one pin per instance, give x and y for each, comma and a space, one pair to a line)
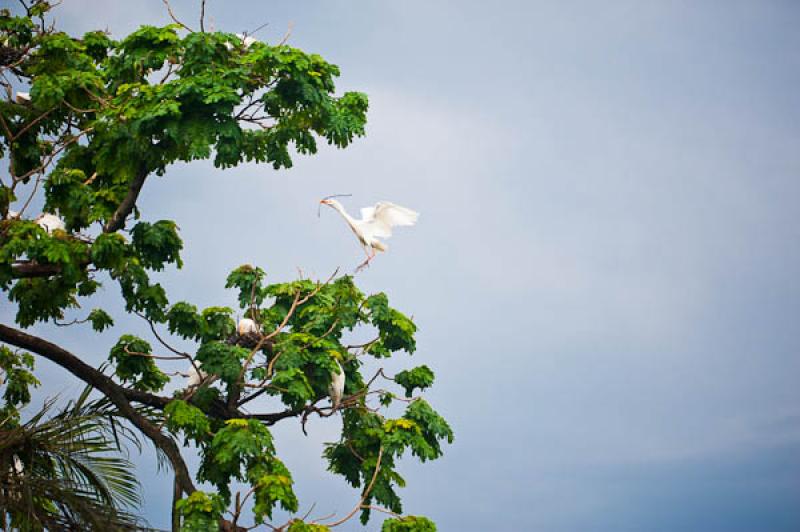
101, 117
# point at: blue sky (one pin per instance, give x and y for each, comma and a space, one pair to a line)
605, 268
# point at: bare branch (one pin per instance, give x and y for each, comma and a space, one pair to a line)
289, 29
174, 18
364, 495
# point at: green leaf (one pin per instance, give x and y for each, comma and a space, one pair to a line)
130, 354
200, 511
409, 523
300, 526
219, 358
157, 244
420, 377
183, 320
183, 417
100, 319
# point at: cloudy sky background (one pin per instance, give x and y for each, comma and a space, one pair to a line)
605, 269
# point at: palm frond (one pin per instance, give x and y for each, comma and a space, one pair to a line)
74, 469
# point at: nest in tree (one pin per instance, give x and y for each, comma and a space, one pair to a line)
248, 340
9, 56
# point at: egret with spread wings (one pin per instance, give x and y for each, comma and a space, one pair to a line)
376, 222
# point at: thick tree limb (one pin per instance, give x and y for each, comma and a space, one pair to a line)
25, 269
117, 220
122, 398
119, 395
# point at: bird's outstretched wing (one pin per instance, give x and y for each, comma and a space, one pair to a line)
384, 215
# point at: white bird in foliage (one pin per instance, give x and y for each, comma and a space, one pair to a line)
336, 388
18, 467
376, 222
247, 326
247, 41
196, 377
50, 222
23, 98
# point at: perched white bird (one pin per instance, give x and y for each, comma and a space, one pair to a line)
376, 222
50, 222
336, 388
23, 97
247, 326
196, 377
247, 41
12, 215
18, 467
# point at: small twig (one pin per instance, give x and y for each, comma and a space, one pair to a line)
202, 15
174, 18
378, 509
181, 354
169, 72
309, 511
30, 197
364, 495
42, 167
150, 355
289, 29
251, 33
31, 124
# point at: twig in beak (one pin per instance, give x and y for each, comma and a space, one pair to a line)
319, 207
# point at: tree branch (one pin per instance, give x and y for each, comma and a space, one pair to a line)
24, 269
117, 220
117, 394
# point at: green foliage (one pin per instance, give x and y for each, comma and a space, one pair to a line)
183, 320
157, 244
218, 323
131, 356
200, 511
131, 122
16, 375
420, 377
300, 526
247, 445
188, 419
222, 359
396, 330
295, 388
409, 523
248, 280
100, 319
105, 115
109, 252
432, 429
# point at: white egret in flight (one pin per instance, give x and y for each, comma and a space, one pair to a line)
376, 222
